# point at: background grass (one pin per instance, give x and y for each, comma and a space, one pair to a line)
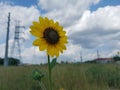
67, 76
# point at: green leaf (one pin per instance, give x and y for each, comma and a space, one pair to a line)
53, 63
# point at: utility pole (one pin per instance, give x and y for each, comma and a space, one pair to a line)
34, 55
98, 56
81, 57
7, 44
118, 53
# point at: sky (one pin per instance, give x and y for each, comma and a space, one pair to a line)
91, 25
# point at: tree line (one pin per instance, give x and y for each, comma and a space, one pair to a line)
12, 61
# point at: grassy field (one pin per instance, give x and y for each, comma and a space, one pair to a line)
67, 76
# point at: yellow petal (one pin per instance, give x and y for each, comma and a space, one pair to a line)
51, 22
41, 19
59, 48
43, 45
47, 22
56, 24
64, 39
44, 22
36, 24
62, 33
36, 33
36, 28
60, 28
36, 42
57, 54
56, 51
63, 47
50, 50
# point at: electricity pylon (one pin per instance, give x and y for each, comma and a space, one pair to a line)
17, 38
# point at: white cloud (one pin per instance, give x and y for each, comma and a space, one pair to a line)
33, 55
98, 30
65, 4
65, 11
72, 53
2, 50
97, 27
107, 18
23, 14
87, 31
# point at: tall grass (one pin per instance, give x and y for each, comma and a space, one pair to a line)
67, 76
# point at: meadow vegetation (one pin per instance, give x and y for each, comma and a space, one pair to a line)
67, 76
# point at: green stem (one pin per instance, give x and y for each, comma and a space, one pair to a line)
42, 85
50, 80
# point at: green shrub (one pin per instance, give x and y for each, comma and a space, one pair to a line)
95, 74
114, 78
103, 76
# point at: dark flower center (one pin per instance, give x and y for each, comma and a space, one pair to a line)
51, 35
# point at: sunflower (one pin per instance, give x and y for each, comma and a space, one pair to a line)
50, 36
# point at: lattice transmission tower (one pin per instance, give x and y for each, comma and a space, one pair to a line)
17, 39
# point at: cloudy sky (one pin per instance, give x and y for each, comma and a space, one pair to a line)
91, 25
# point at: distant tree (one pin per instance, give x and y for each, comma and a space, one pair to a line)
12, 61
1, 61
91, 61
64, 62
116, 58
